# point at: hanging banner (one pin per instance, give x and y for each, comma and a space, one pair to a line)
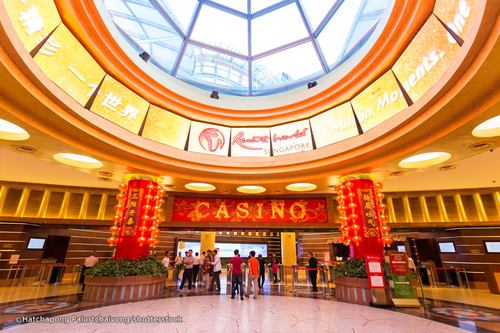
334, 125
240, 210
254, 141
291, 138
209, 139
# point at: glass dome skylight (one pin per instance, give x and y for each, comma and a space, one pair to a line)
247, 47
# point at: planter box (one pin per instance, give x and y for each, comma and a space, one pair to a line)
112, 290
352, 290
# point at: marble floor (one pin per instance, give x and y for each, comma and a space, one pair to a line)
222, 314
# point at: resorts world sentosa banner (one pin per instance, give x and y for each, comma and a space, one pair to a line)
291, 138
250, 141
209, 139
241, 210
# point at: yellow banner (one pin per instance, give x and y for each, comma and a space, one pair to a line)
33, 20
379, 101
334, 125
66, 62
120, 105
426, 59
166, 127
458, 15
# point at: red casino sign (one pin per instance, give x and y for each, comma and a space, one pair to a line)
240, 210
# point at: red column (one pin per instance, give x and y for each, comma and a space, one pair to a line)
362, 218
136, 221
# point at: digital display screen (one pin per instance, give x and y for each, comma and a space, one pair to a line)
401, 248
492, 246
36, 243
447, 247
225, 250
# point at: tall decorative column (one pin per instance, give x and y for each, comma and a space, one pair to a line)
137, 217
362, 216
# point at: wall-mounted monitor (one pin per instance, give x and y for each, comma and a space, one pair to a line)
401, 248
447, 247
492, 246
226, 250
35, 243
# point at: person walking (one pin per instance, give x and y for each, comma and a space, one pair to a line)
166, 261
206, 272
236, 278
262, 272
274, 268
253, 275
188, 271
217, 269
196, 267
177, 268
211, 271
313, 271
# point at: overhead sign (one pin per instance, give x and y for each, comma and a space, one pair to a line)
120, 105
33, 20
379, 102
66, 62
334, 125
240, 210
291, 138
458, 15
166, 127
250, 141
426, 59
209, 139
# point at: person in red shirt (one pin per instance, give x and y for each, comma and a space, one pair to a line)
236, 280
253, 275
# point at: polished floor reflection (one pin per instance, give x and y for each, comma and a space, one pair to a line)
267, 309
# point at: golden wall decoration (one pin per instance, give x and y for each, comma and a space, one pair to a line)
166, 127
120, 105
379, 102
66, 62
334, 125
33, 20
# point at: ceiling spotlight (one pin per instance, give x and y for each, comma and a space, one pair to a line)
251, 189
144, 56
200, 187
27, 149
78, 161
312, 84
10, 131
447, 167
424, 160
488, 128
214, 95
301, 187
396, 173
105, 173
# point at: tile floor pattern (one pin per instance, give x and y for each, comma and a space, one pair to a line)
467, 316
266, 314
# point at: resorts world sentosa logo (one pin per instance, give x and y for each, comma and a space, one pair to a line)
211, 139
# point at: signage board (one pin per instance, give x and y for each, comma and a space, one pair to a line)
334, 125
458, 15
291, 138
166, 127
209, 139
241, 210
120, 105
374, 271
402, 286
255, 141
399, 263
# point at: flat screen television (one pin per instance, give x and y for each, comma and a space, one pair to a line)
401, 248
492, 246
36, 243
447, 247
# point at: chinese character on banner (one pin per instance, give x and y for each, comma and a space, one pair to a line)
50, 47
111, 101
32, 20
130, 112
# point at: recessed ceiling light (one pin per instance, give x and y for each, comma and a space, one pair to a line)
447, 167
251, 189
27, 149
480, 146
78, 161
488, 128
12, 132
301, 187
200, 187
424, 160
104, 179
397, 173
105, 173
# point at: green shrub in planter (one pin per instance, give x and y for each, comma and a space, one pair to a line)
122, 268
354, 268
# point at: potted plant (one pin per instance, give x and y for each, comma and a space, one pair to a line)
117, 281
351, 283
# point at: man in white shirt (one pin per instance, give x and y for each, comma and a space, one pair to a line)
196, 266
217, 269
177, 267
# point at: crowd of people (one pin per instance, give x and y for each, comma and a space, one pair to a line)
204, 271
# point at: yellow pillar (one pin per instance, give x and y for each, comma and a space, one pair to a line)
207, 241
288, 248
